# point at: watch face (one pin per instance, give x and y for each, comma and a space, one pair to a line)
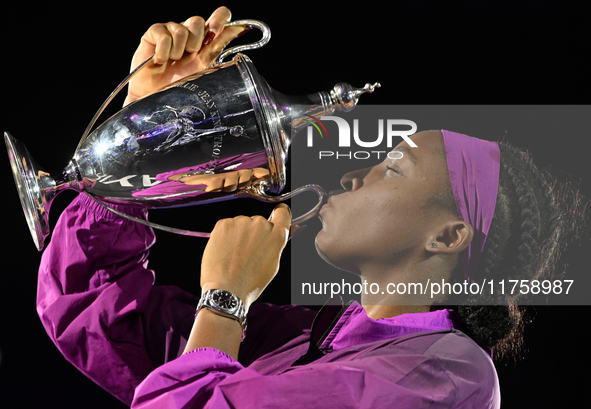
225, 300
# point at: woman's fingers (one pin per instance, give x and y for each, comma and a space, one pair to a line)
216, 22
281, 219
196, 27
210, 51
157, 40
180, 35
179, 49
171, 40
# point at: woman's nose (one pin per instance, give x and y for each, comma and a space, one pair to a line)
354, 180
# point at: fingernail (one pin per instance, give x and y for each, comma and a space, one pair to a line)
246, 30
271, 216
288, 209
208, 37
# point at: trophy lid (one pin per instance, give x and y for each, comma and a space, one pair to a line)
278, 114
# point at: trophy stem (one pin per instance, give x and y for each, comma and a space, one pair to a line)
37, 187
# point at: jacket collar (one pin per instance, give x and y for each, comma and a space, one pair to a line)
339, 326
354, 327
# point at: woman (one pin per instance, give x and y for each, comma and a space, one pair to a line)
97, 302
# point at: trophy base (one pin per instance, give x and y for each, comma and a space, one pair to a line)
28, 178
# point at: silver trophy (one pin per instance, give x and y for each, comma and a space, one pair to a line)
160, 151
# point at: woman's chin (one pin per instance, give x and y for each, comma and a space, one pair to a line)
319, 250
334, 261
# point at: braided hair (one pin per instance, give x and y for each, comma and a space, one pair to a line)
534, 216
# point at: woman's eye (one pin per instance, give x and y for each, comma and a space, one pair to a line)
392, 169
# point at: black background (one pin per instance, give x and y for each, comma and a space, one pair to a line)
60, 63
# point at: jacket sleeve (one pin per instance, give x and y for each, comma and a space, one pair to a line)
97, 301
208, 378
98, 304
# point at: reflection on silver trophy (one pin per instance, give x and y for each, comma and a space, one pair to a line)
160, 151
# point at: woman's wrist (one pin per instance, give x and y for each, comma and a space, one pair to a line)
211, 330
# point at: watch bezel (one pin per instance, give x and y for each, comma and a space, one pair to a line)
237, 313
218, 303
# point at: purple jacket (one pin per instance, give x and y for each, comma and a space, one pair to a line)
97, 301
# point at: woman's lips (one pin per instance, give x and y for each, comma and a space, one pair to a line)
328, 202
326, 206
320, 212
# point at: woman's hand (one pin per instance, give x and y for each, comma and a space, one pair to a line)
179, 49
241, 256
243, 253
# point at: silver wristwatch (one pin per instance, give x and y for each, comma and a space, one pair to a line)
225, 303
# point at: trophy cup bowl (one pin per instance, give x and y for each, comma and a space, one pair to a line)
225, 118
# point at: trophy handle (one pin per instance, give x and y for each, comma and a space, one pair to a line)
256, 191
239, 48
109, 99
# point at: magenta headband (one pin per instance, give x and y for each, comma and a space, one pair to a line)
473, 166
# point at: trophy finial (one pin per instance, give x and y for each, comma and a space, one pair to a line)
345, 97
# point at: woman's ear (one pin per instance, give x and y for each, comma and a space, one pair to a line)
454, 237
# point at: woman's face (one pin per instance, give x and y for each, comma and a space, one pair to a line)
388, 212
